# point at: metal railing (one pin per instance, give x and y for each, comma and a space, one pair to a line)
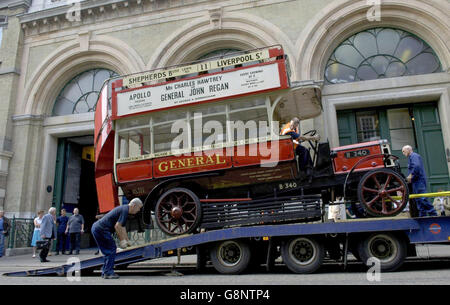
21, 233
150, 235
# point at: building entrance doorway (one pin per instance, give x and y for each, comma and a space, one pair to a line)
417, 125
74, 185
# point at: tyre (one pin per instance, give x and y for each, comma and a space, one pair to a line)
231, 256
302, 254
388, 248
178, 211
383, 192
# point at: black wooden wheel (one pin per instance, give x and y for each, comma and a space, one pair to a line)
383, 192
178, 211
231, 256
302, 254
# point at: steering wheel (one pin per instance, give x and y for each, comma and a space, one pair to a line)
311, 132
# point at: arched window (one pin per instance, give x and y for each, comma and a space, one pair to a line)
380, 53
81, 93
216, 53
223, 53
219, 52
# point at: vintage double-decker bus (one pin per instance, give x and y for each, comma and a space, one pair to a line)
200, 145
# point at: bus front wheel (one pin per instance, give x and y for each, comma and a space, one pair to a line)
178, 211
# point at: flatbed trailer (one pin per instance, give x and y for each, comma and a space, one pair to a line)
302, 246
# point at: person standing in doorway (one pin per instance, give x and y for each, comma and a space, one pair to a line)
75, 227
418, 179
61, 221
5, 224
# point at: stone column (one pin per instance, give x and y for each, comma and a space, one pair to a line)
22, 181
10, 57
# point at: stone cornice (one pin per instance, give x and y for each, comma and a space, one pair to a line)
9, 71
6, 154
97, 11
92, 11
14, 4
26, 119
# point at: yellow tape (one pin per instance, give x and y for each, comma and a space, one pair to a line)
438, 194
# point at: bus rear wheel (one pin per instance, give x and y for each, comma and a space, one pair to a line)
178, 211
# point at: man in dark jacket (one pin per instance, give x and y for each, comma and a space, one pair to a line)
5, 224
102, 230
418, 179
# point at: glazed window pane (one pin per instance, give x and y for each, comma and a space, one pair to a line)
380, 53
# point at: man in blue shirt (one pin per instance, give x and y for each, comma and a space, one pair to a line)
61, 221
418, 179
103, 228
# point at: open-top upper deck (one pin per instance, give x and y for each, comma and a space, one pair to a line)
251, 85
237, 75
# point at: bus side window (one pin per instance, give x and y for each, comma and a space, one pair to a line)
164, 138
245, 118
133, 143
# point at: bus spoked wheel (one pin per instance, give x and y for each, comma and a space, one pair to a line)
383, 192
178, 211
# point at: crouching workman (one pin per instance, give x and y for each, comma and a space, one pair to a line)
102, 231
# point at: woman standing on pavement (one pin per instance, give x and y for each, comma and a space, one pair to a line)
37, 231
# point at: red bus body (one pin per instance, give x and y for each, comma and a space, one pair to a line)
133, 175
225, 178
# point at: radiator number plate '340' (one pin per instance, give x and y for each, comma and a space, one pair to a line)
357, 153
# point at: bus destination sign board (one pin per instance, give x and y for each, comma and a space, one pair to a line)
157, 75
196, 90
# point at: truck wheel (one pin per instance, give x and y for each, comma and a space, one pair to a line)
377, 189
178, 211
231, 256
302, 254
388, 248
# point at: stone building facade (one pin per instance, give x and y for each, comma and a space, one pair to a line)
50, 47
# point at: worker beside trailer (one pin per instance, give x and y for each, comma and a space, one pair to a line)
418, 179
102, 229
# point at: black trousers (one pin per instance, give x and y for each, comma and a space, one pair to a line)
304, 158
44, 252
62, 241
